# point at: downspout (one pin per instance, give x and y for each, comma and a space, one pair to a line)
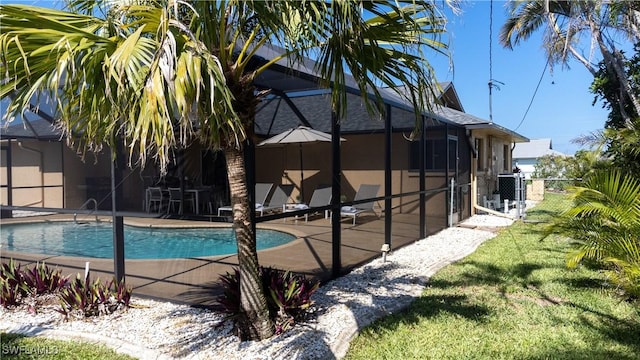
494, 184
41, 154
493, 212
473, 171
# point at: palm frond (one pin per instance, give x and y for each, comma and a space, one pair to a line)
125, 82
525, 18
605, 223
387, 49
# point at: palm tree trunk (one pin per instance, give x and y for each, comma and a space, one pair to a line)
615, 63
253, 303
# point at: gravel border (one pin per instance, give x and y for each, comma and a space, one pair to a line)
163, 330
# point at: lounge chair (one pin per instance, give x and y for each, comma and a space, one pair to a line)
278, 200
262, 192
364, 192
320, 197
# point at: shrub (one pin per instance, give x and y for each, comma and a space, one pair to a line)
291, 294
85, 298
230, 298
78, 297
43, 280
12, 285
288, 295
18, 285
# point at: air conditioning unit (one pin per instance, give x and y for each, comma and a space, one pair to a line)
512, 187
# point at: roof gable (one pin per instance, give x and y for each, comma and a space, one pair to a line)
449, 96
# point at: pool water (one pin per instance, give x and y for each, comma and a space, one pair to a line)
96, 240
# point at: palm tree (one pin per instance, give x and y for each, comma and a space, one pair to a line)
605, 225
161, 74
566, 22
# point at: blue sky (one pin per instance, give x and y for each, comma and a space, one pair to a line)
561, 109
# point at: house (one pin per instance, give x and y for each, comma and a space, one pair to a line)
460, 149
526, 154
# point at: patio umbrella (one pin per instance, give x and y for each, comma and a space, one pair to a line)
299, 135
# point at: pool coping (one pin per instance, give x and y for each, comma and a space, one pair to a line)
149, 222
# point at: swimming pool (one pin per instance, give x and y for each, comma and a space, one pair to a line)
96, 240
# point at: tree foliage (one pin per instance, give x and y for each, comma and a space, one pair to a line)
606, 87
550, 166
576, 167
621, 137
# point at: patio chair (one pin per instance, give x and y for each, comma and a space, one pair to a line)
176, 197
320, 197
262, 192
278, 200
154, 199
365, 191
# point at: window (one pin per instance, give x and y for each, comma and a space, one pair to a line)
506, 164
435, 157
480, 152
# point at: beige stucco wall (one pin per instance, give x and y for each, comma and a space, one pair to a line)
362, 163
493, 160
50, 174
36, 174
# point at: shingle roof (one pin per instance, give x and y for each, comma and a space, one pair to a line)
37, 129
276, 116
534, 149
35, 123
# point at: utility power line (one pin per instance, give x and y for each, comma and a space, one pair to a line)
534, 95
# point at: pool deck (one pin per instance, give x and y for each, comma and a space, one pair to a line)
195, 280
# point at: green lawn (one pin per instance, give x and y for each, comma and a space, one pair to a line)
512, 299
18, 347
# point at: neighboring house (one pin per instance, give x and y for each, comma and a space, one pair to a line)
42, 171
525, 155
